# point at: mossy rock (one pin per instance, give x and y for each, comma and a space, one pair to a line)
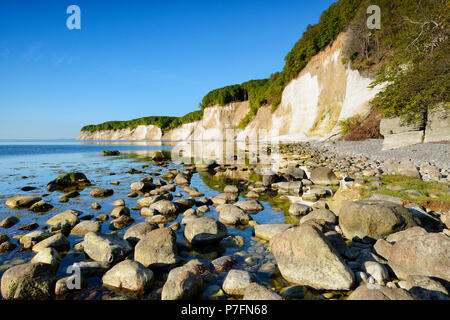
68, 180
161, 156
110, 153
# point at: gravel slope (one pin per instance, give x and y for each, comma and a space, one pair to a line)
437, 154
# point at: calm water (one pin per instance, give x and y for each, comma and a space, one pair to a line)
35, 163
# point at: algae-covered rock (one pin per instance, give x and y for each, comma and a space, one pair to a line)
68, 180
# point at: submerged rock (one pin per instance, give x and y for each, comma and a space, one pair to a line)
233, 242
426, 288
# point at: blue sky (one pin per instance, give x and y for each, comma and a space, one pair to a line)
134, 58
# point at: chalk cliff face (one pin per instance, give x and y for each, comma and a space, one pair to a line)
325, 92
149, 132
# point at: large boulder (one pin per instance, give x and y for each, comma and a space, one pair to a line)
158, 249
106, 247
204, 231
183, 283
305, 256
129, 275
377, 292
22, 202
374, 219
28, 281
426, 288
438, 125
230, 214
324, 176
398, 133
425, 255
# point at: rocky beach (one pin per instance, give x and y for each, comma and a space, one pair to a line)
177, 150
316, 223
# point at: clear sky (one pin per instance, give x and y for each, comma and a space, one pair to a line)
134, 58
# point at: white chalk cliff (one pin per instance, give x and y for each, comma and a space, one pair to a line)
325, 92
